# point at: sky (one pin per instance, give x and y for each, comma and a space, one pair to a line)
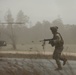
39, 10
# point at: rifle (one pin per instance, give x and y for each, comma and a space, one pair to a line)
50, 42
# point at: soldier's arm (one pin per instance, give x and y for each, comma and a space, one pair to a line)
58, 38
47, 39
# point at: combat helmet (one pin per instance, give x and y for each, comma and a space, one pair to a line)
54, 28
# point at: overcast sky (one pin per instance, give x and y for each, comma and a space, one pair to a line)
39, 10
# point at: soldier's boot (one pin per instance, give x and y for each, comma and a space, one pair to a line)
64, 60
58, 64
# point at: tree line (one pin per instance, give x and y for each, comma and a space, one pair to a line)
16, 31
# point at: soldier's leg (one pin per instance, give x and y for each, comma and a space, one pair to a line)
58, 59
56, 55
63, 59
58, 64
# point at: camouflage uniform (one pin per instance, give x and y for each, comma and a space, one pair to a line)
58, 43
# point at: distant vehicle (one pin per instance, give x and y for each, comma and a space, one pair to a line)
3, 43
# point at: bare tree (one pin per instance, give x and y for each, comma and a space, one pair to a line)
22, 18
9, 20
21, 29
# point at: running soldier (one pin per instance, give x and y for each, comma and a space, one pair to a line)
58, 43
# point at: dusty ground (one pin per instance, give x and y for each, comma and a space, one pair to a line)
38, 48
35, 50
35, 61
34, 55
22, 66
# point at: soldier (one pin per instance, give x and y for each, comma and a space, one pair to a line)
58, 44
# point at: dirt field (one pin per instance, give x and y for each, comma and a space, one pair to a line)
33, 60
38, 48
36, 51
22, 66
